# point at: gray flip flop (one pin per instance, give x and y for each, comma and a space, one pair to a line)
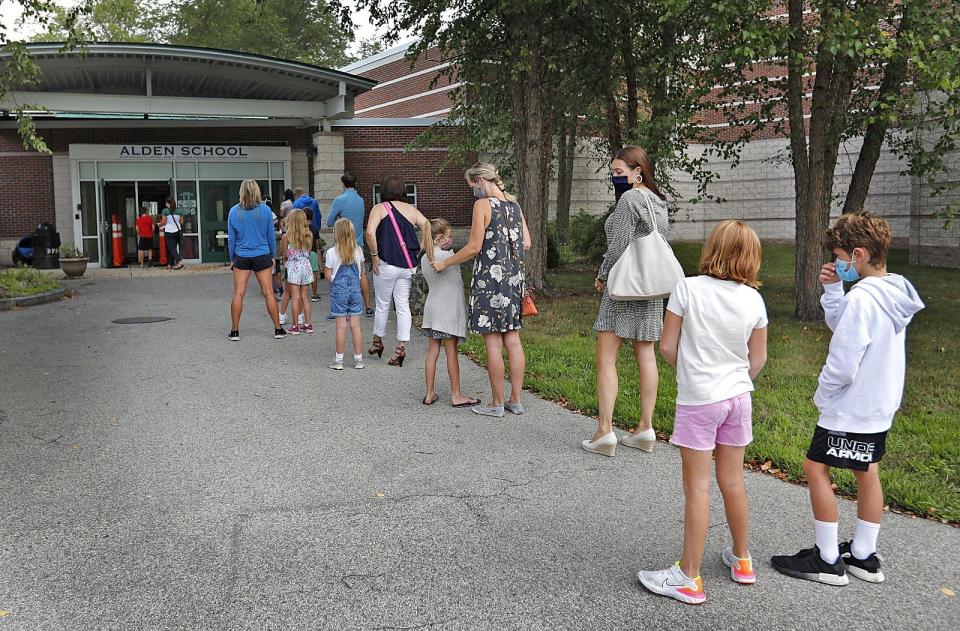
488, 410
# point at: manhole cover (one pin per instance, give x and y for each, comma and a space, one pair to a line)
141, 320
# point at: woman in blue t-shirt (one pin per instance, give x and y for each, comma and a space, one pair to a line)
252, 244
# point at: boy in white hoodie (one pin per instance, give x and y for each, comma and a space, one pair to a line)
859, 392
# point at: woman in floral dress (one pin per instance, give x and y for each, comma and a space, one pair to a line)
498, 240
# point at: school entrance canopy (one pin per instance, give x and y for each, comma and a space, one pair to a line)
155, 80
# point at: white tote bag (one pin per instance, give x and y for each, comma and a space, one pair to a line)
647, 269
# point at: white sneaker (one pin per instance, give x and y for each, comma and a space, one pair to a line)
673, 583
358, 364
283, 319
605, 445
644, 441
336, 366
741, 570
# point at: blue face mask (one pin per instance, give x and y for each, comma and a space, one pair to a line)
620, 185
479, 191
846, 271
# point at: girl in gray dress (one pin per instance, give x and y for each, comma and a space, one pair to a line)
444, 314
640, 321
498, 239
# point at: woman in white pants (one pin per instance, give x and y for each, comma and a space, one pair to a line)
394, 249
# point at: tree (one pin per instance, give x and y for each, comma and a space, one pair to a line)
17, 70
303, 30
872, 60
108, 21
507, 57
566, 153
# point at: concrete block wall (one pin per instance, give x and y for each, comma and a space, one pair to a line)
63, 197
759, 190
328, 166
934, 241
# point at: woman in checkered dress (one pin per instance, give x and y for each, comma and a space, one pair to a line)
639, 204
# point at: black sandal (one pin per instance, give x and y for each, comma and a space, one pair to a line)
432, 401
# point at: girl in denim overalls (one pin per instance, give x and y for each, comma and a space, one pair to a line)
344, 263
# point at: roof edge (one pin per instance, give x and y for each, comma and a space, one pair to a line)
380, 59
213, 54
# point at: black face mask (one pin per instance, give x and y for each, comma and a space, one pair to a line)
620, 185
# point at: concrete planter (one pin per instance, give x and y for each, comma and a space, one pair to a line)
74, 267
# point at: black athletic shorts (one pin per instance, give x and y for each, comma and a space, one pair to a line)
145, 243
847, 450
253, 263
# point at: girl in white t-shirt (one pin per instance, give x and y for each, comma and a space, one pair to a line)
715, 335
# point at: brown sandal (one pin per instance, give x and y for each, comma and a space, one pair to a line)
376, 348
401, 353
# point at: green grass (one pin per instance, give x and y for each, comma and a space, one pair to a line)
921, 470
16, 282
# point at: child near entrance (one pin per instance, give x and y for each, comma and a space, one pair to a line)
344, 263
145, 227
296, 245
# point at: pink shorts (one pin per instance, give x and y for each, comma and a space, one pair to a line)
703, 427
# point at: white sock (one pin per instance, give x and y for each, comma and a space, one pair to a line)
865, 539
358, 358
339, 358
827, 540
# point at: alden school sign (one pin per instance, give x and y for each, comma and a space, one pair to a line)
184, 152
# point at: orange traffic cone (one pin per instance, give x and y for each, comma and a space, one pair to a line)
117, 242
163, 246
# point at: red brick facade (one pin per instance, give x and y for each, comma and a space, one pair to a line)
414, 89
372, 153
26, 193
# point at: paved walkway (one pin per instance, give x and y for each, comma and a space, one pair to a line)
157, 476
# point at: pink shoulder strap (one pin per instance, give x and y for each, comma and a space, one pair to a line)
396, 228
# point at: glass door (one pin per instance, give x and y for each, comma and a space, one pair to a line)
119, 207
151, 197
187, 207
217, 197
90, 222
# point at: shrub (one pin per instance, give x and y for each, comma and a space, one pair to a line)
587, 236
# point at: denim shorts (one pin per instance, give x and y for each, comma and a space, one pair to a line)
346, 301
703, 427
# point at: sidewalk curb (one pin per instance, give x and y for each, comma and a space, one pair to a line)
29, 301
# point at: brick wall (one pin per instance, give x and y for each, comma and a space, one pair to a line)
371, 153
402, 85
26, 189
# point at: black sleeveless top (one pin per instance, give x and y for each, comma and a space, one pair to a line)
388, 246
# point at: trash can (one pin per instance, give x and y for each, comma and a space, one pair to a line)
46, 247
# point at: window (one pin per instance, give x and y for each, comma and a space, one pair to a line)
411, 193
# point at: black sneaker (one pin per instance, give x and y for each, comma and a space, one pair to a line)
279, 334
369, 313
234, 336
315, 298
808, 564
865, 569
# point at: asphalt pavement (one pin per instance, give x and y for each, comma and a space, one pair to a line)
157, 476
